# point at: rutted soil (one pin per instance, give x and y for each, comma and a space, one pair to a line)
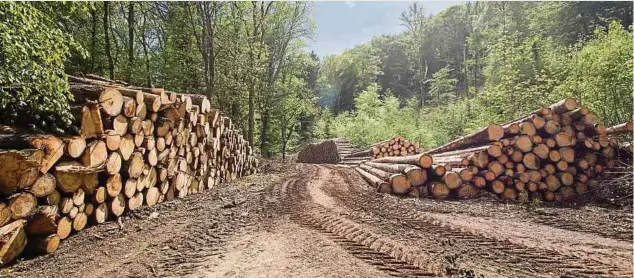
301, 220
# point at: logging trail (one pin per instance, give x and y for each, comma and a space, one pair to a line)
304, 220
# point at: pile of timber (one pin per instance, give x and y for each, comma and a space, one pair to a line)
320, 153
344, 147
396, 146
135, 147
550, 154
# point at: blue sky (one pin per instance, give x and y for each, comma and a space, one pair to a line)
342, 25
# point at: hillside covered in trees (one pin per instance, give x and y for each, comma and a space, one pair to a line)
476, 63
446, 75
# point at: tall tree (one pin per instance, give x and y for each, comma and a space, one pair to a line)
130, 40
106, 27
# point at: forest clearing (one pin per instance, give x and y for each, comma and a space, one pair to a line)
271, 139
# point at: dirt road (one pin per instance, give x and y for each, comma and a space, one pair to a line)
323, 221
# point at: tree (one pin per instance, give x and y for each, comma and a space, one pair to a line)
33, 88
106, 27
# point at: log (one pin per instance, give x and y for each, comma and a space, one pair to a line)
43, 222
126, 147
452, 180
379, 184
110, 99
22, 205
439, 190
64, 227
74, 146
625, 127
91, 123
117, 205
20, 169
101, 213
80, 221
420, 160
114, 185
52, 146
95, 154
113, 164
43, 244
129, 107
13, 240
491, 133
467, 191
136, 201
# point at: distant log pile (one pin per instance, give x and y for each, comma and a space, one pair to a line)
550, 154
324, 152
397, 146
135, 147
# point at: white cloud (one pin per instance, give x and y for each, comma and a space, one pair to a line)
351, 4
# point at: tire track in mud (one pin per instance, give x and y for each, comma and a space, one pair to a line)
530, 262
378, 252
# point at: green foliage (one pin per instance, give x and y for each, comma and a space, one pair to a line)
601, 75
32, 77
442, 87
487, 62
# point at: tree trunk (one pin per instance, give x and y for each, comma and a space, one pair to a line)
130, 40
106, 27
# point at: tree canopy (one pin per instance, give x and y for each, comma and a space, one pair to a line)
481, 62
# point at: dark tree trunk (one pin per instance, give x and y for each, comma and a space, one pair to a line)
93, 38
263, 135
130, 40
106, 8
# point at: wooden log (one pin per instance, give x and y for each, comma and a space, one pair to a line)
43, 244
438, 189
491, 133
22, 205
71, 176
64, 227
13, 241
74, 146
20, 169
452, 180
109, 98
53, 147
117, 205
113, 164
80, 221
136, 201
43, 221
113, 140
126, 148
625, 127
467, 191
129, 107
134, 167
101, 213
114, 185
95, 154
379, 184
420, 160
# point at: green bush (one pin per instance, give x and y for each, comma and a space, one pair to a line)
33, 86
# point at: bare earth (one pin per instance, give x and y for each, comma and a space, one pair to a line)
302, 220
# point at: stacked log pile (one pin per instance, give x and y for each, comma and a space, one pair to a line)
324, 152
135, 147
396, 146
550, 154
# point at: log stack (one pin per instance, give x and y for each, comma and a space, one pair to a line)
396, 146
550, 154
135, 147
325, 152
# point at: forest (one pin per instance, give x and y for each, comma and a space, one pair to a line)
445, 76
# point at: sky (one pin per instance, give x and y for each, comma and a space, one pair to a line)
342, 25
